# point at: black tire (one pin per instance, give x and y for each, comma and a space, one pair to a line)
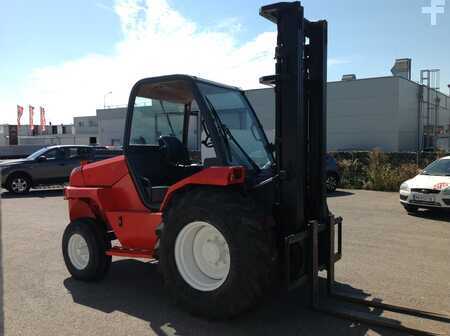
411, 208
250, 243
97, 242
18, 183
331, 182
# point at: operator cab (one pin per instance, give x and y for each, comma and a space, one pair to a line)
178, 125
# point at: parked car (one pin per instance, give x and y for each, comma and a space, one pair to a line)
430, 189
49, 165
332, 170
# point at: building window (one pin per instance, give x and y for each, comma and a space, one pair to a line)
80, 124
54, 129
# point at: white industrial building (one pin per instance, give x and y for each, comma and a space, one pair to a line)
389, 113
111, 125
86, 130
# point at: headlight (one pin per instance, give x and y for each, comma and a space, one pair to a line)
446, 191
404, 187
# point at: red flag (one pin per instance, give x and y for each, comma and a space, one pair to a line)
19, 114
31, 111
42, 110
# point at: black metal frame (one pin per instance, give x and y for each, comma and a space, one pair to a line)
307, 227
300, 133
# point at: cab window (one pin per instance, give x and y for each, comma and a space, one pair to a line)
154, 118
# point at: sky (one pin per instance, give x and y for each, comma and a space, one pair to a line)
72, 57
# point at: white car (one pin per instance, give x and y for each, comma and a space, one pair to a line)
430, 189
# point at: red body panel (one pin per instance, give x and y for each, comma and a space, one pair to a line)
105, 173
216, 176
135, 230
109, 193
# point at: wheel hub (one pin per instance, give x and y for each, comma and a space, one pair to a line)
19, 184
202, 256
78, 251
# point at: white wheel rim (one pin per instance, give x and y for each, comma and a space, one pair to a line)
202, 256
19, 184
78, 251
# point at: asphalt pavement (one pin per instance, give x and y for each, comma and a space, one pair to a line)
388, 256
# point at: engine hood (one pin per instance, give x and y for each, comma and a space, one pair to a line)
5, 163
429, 182
103, 173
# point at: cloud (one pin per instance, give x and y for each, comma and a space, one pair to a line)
157, 40
337, 61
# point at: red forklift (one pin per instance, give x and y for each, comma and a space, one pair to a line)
199, 189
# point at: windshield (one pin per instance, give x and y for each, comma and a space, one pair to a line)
245, 139
36, 154
438, 168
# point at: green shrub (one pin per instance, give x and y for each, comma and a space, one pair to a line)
351, 173
376, 170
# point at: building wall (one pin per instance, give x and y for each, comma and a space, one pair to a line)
49, 140
4, 141
111, 125
86, 125
408, 108
263, 102
363, 115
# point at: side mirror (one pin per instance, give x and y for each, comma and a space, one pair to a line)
42, 158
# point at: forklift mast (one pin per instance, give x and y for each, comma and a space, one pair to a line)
300, 146
300, 105
300, 141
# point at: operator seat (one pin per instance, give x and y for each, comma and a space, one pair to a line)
173, 150
176, 159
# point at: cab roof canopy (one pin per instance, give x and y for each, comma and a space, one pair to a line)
173, 88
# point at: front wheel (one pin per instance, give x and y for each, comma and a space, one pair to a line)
216, 253
84, 245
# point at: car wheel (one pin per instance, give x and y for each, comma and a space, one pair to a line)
331, 182
18, 184
411, 208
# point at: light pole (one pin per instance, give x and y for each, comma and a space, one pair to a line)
104, 98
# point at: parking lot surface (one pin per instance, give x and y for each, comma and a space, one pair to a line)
388, 255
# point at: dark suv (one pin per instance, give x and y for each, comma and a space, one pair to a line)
49, 165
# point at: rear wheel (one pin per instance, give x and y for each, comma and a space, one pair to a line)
18, 184
84, 245
215, 253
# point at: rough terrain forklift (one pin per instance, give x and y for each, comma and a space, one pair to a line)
200, 189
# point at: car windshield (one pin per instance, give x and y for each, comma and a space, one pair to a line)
36, 154
438, 168
245, 139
